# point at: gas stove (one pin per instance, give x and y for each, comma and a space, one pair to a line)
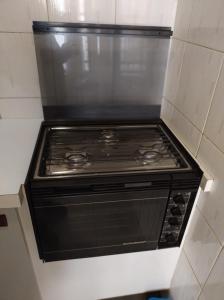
93, 150
102, 189
107, 176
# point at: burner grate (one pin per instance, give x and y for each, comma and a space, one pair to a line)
94, 150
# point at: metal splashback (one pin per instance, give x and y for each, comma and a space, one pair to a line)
100, 72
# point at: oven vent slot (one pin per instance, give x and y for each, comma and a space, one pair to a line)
79, 189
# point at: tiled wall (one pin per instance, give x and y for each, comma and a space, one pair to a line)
193, 108
19, 85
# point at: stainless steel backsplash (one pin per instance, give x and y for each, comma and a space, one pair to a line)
97, 75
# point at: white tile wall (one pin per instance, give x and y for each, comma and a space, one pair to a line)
214, 129
196, 88
198, 96
211, 204
184, 285
17, 15
201, 247
18, 67
187, 133
21, 108
206, 25
91, 11
174, 69
214, 288
183, 15
146, 12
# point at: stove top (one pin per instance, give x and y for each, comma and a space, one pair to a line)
92, 150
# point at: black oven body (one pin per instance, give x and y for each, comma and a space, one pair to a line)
104, 215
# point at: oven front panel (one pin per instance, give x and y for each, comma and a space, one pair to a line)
109, 222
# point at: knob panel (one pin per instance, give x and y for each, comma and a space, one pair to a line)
175, 213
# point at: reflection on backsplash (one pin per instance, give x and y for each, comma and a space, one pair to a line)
79, 69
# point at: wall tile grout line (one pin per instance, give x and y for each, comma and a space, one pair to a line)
15, 98
180, 71
217, 256
219, 73
199, 145
213, 94
210, 106
115, 13
216, 146
202, 134
190, 16
187, 119
177, 108
16, 32
20, 118
207, 115
210, 272
198, 45
205, 219
177, 136
47, 6
191, 266
212, 230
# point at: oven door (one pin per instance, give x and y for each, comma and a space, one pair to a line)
75, 226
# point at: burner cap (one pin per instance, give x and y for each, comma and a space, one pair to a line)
157, 147
148, 156
151, 155
108, 136
76, 158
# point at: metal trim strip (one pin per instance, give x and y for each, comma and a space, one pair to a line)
89, 28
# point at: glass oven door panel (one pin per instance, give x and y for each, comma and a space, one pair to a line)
100, 224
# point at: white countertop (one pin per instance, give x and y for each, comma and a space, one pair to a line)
18, 138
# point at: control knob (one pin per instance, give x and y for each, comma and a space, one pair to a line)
170, 237
175, 211
178, 199
173, 221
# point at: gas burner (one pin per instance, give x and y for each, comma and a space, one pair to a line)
76, 158
149, 157
108, 134
157, 147
108, 137
160, 147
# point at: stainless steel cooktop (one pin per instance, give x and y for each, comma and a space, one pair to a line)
91, 150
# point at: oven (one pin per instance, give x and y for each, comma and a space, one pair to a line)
100, 221
104, 217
